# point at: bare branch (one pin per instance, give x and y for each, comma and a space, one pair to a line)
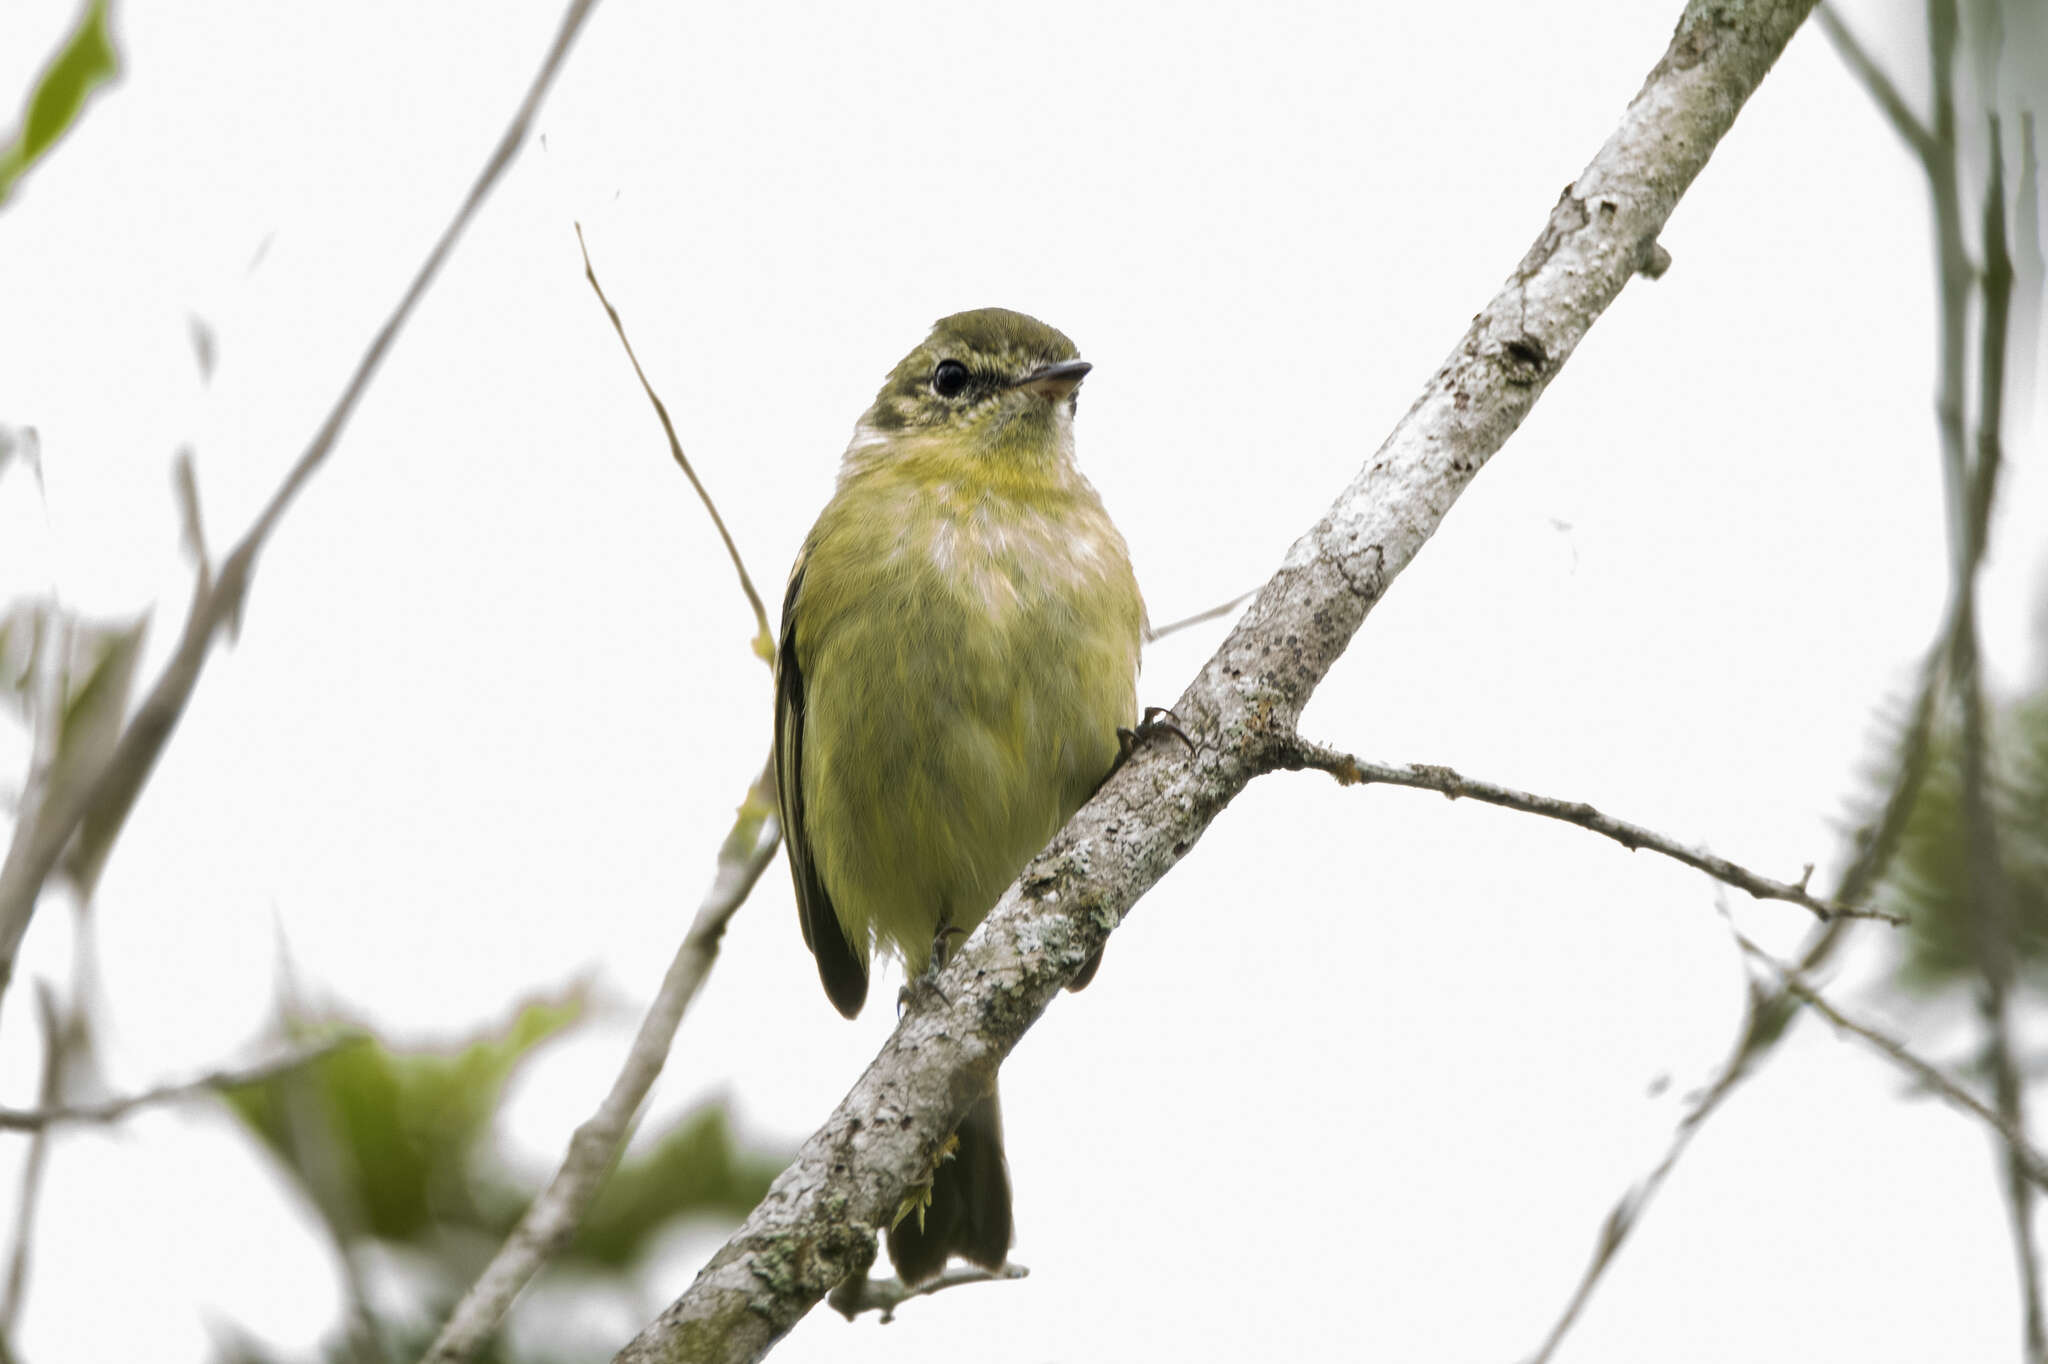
552, 1219
1299, 753
41, 832
1877, 84
764, 640
816, 1227
1770, 1013
886, 1295
211, 1083
2032, 1164
1154, 633
48, 1093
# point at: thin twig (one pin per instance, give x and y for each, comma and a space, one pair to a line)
49, 1092
1876, 83
41, 833
886, 1295
1770, 1013
1154, 633
2031, 1163
48, 1115
764, 641
1350, 771
552, 1219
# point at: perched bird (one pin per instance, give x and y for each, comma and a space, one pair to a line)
959, 652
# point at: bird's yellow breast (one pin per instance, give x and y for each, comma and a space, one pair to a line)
969, 646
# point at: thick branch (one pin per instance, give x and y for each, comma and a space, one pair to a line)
1351, 771
817, 1224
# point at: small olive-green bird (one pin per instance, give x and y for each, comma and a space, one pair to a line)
959, 652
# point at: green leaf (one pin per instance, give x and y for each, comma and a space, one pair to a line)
85, 62
1930, 879
697, 1170
386, 1142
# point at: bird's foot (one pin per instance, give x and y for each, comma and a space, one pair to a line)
1158, 720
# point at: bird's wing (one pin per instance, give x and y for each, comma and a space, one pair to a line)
844, 974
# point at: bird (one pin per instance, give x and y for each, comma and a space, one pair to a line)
956, 673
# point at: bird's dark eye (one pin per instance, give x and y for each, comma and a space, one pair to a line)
949, 378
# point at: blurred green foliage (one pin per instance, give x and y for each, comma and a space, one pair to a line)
393, 1146
86, 61
1929, 878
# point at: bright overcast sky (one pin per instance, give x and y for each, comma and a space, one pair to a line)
1368, 1071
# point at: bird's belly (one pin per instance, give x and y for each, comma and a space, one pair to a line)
954, 761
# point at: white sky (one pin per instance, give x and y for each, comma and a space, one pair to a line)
1367, 1073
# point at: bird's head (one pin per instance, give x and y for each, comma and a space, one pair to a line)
997, 385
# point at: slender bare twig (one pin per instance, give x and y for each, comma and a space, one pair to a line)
818, 1222
1350, 771
1990, 889
764, 640
2031, 1163
1876, 84
48, 1093
1174, 627
852, 1298
1770, 1013
552, 1219
213, 1082
43, 830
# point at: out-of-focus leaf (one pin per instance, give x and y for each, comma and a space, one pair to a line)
185, 482
94, 706
1930, 879
22, 632
85, 62
22, 443
205, 345
386, 1142
696, 1170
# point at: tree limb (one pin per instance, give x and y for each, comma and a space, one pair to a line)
817, 1224
1350, 771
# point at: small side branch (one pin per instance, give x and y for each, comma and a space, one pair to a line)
14, 1290
554, 1216
1154, 633
764, 639
1878, 85
854, 1297
1297, 754
213, 1082
2025, 1158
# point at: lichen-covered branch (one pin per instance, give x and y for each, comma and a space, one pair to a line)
818, 1222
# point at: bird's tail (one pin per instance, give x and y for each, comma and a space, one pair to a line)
969, 1212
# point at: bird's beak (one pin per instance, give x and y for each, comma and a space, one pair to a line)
1055, 381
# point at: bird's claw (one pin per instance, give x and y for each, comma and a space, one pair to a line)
1157, 720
